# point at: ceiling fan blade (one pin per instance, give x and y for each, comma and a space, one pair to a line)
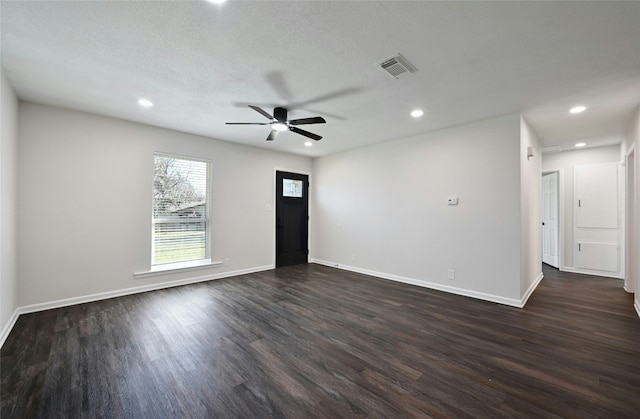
247, 123
333, 95
272, 135
280, 114
279, 85
305, 133
303, 121
261, 111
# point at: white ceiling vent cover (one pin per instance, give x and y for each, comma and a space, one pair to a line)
554, 149
398, 66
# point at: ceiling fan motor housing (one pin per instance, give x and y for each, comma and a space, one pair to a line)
280, 114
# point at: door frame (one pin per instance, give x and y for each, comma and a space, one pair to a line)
274, 221
561, 224
630, 230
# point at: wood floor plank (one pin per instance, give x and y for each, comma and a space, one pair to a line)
313, 341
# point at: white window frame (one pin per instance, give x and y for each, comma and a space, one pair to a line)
204, 262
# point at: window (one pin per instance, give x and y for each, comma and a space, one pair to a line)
292, 188
180, 210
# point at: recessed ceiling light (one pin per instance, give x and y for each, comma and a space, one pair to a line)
577, 109
580, 144
145, 103
216, 1
417, 113
308, 143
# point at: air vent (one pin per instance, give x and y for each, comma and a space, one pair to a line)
398, 66
554, 149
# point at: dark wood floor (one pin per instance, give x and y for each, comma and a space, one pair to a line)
313, 341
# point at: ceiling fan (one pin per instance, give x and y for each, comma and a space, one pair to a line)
279, 122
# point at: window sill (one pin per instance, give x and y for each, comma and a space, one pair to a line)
171, 268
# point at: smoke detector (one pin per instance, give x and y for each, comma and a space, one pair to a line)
397, 66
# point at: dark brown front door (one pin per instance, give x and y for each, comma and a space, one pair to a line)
292, 218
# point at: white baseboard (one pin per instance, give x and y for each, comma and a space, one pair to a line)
531, 289
135, 290
636, 304
118, 293
585, 272
9, 326
425, 284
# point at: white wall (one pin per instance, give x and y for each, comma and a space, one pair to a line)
85, 202
531, 207
383, 209
8, 203
565, 163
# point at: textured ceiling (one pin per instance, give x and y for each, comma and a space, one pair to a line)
202, 64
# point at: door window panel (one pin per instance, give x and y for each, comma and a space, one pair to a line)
292, 188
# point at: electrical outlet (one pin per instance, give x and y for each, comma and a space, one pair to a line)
451, 274
227, 261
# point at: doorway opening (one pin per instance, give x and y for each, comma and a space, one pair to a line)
550, 219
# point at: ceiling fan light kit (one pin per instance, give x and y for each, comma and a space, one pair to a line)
279, 122
279, 126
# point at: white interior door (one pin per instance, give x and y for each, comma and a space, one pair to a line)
597, 230
550, 215
596, 191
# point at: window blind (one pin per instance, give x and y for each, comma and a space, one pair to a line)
180, 210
